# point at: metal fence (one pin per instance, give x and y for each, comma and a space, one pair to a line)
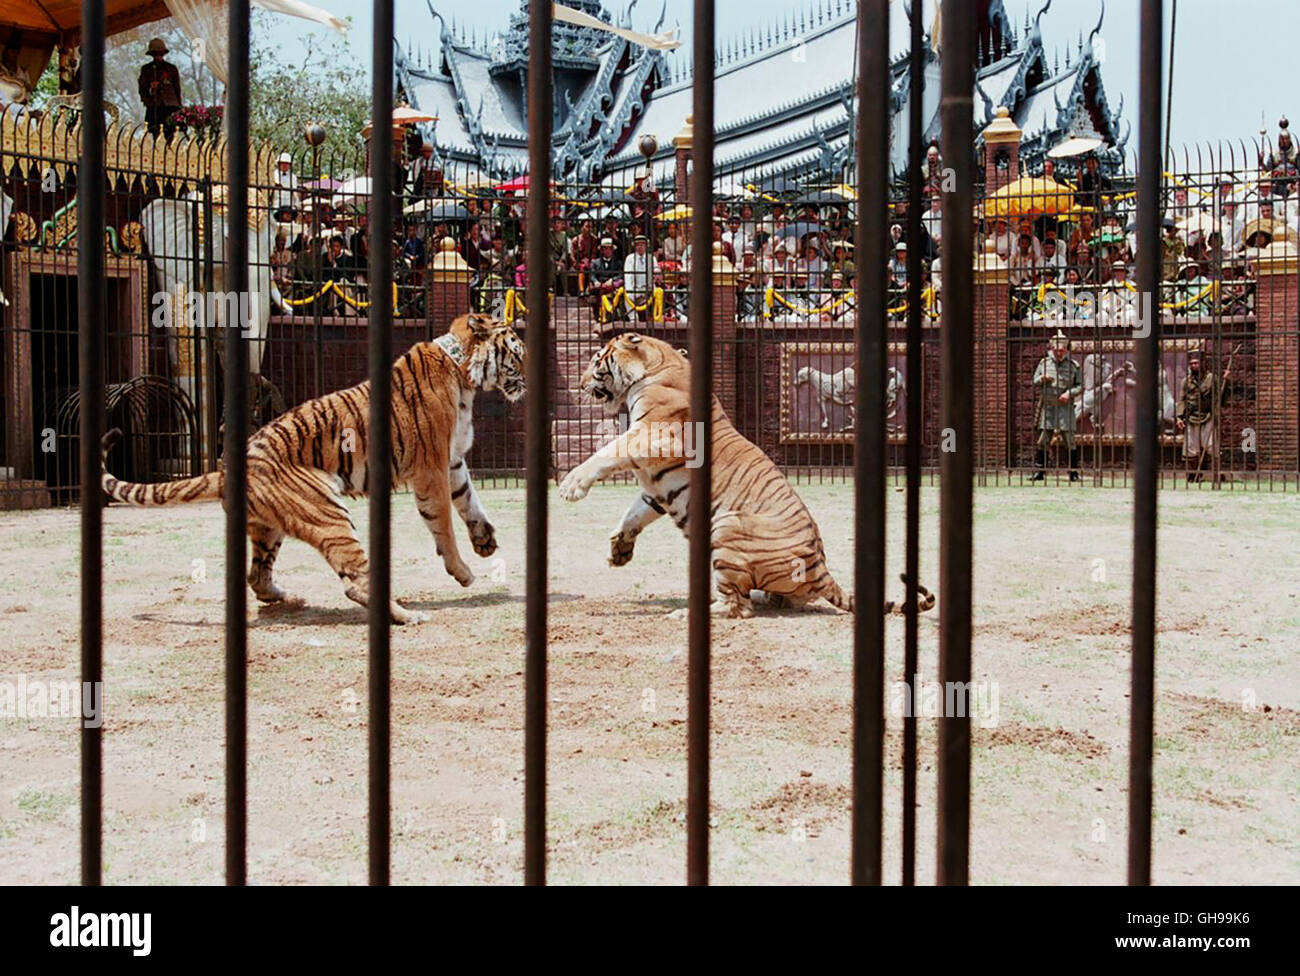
977, 325
1050, 261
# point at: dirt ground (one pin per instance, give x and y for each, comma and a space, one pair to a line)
1049, 770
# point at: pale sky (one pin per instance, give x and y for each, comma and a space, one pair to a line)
1230, 56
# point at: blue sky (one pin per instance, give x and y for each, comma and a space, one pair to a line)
1229, 59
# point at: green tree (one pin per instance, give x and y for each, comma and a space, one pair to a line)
328, 86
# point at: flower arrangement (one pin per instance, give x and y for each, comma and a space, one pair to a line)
202, 120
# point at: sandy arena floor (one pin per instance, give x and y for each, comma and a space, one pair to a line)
1050, 774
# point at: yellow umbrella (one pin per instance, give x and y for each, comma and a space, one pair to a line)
844, 190
680, 212
1028, 197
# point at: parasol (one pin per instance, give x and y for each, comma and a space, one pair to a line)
1029, 196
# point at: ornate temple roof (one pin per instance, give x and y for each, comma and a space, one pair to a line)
784, 92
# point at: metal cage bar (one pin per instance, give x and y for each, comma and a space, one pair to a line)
538, 440
380, 462
957, 465
869, 453
91, 190
912, 453
699, 515
1147, 448
235, 456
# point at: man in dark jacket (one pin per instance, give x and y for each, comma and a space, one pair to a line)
160, 87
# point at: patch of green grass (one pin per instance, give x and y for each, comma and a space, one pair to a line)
44, 805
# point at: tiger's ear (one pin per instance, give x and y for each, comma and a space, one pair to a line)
682, 353
632, 337
480, 325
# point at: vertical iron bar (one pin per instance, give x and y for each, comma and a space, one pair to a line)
380, 462
538, 438
1146, 449
956, 467
236, 455
91, 188
699, 515
912, 450
869, 459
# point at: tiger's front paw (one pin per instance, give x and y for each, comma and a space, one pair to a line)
620, 549
575, 485
483, 537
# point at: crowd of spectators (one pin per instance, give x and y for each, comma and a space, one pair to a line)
793, 253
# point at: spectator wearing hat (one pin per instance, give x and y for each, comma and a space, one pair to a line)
842, 261
160, 88
1171, 251
775, 269
640, 274
1193, 288
1116, 304
605, 274
1058, 378
810, 268
898, 264
932, 220
284, 197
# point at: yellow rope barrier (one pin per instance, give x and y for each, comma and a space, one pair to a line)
771, 296
654, 302
333, 286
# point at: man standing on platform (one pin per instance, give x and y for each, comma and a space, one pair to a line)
1197, 413
1059, 380
160, 87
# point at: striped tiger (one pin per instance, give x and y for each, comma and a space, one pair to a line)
764, 538
303, 464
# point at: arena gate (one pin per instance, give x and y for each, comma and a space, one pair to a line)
961, 345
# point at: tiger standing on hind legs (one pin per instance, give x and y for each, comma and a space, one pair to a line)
764, 538
305, 463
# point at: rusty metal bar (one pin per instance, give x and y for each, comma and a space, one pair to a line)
538, 438
956, 466
91, 188
380, 461
1146, 446
912, 450
699, 514
869, 451
236, 456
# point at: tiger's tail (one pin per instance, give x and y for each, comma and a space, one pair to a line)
836, 597
924, 599
205, 487
833, 594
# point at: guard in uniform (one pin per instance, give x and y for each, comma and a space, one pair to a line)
1059, 380
1197, 413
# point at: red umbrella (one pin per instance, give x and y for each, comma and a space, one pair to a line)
518, 183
